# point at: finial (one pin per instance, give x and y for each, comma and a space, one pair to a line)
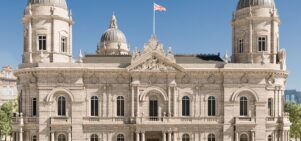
70, 13
226, 57
169, 50
80, 56
113, 21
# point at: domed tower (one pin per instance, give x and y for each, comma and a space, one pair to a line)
113, 41
255, 32
47, 32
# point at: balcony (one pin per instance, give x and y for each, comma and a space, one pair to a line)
60, 121
26, 120
245, 120
179, 120
105, 120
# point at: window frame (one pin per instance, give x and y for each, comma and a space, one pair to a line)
34, 138
241, 45
185, 106
262, 43
94, 106
42, 42
94, 137
64, 44
243, 139
185, 137
120, 106
120, 137
34, 107
243, 106
211, 137
270, 106
62, 106
61, 139
211, 106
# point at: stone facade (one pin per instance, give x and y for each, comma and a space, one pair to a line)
151, 95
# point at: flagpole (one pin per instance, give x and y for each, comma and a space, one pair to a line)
154, 20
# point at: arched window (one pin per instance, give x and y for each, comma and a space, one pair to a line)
62, 137
94, 106
270, 106
211, 137
270, 138
94, 137
61, 106
120, 137
243, 106
185, 137
120, 106
34, 107
34, 138
185, 106
243, 137
211, 106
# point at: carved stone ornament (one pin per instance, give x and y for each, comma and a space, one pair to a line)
211, 79
94, 79
271, 80
244, 78
152, 79
33, 79
154, 64
60, 78
185, 79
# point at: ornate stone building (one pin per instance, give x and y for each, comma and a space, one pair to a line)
8, 85
152, 94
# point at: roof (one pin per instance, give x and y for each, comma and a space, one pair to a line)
248, 3
180, 59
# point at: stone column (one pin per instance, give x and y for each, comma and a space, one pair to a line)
69, 136
104, 103
174, 102
253, 135
30, 40
169, 136
132, 102
236, 137
137, 94
143, 136
174, 136
164, 136
137, 136
169, 101
52, 136
250, 41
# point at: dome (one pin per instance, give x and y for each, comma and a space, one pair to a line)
247, 3
113, 35
113, 41
57, 3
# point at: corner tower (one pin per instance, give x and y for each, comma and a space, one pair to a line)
47, 32
255, 32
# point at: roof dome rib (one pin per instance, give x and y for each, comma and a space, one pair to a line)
248, 3
57, 3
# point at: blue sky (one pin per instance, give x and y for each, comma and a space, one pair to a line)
188, 26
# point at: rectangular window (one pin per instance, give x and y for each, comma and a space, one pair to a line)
63, 44
262, 46
241, 46
42, 42
34, 107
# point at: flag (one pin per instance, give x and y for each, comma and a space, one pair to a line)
159, 7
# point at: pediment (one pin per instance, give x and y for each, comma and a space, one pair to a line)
155, 62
